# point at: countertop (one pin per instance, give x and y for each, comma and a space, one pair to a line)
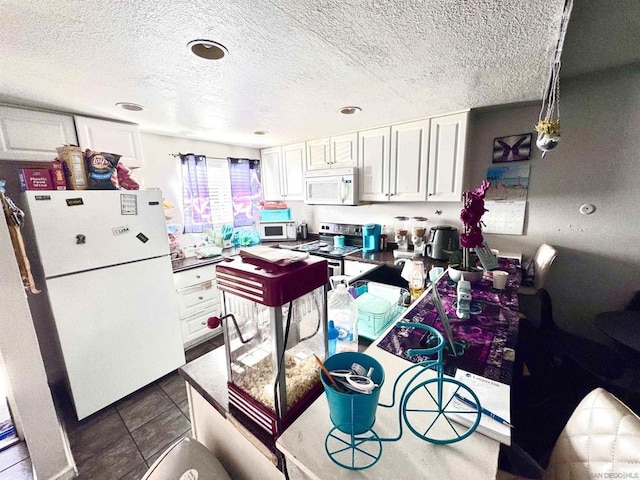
385, 257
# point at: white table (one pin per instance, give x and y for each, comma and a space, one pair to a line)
409, 458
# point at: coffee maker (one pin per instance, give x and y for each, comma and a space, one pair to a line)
371, 237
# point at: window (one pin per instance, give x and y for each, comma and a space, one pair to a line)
219, 191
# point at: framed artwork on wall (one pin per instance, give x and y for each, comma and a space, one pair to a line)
514, 148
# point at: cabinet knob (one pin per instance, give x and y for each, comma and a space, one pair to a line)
197, 276
430, 194
200, 297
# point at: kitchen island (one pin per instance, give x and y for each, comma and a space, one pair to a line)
247, 452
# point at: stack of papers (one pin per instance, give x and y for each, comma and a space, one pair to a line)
494, 397
274, 256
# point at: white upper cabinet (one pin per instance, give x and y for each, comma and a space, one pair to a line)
283, 172
373, 162
333, 152
344, 150
34, 135
113, 137
446, 157
270, 172
318, 156
393, 163
409, 160
293, 161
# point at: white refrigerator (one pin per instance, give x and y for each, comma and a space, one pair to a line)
102, 260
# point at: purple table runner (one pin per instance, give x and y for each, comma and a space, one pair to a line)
490, 333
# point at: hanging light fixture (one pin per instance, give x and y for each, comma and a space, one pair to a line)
548, 126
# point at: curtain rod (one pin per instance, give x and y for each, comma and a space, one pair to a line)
205, 156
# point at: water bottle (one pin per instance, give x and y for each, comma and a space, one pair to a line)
343, 312
332, 338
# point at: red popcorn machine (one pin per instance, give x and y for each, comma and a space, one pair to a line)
274, 322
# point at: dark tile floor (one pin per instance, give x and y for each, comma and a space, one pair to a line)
121, 441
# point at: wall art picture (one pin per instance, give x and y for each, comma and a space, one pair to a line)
514, 148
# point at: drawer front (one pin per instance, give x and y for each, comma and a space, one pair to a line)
195, 330
201, 297
194, 276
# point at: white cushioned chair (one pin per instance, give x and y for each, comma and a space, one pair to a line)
542, 260
601, 437
187, 459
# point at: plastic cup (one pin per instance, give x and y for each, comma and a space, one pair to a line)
500, 279
434, 273
352, 412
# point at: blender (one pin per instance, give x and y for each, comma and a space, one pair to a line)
418, 234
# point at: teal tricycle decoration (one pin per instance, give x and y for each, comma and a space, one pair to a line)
352, 384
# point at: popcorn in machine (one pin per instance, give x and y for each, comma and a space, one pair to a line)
275, 320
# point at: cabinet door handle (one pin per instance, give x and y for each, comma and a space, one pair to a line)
200, 297
430, 194
197, 276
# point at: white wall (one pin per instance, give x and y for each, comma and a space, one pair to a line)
161, 170
598, 266
48, 447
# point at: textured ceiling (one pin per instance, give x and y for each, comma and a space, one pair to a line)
293, 64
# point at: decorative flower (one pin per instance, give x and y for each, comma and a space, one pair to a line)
471, 215
547, 127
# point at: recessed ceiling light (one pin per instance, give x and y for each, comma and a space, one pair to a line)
207, 49
260, 132
133, 107
350, 110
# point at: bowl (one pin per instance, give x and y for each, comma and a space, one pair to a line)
472, 277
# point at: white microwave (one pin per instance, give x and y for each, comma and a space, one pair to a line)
277, 230
338, 186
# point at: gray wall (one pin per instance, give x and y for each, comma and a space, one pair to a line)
597, 161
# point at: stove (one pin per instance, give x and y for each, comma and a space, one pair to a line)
325, 245
327, 249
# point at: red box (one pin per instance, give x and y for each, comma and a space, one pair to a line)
35, 179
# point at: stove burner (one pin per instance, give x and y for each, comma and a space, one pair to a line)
324, 248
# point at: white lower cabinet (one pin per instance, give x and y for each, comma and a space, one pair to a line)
198, 299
